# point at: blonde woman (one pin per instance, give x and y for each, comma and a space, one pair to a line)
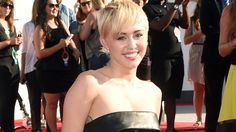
227, 47
113, 99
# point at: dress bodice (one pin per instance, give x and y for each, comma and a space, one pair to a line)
55, 62
127, 121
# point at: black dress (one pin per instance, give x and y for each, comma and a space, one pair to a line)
53, 75
127, 121
167, 66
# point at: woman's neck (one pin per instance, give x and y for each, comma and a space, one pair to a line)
52, 23
127, 74
2, 18
4, 23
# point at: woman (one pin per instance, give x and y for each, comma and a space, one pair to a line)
144, 68
227, 47
9, 69
96, 55
195, 70
100, 100
28, 72
82, 9
57, 66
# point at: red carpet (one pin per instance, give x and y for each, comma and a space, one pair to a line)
180, 127
184, 127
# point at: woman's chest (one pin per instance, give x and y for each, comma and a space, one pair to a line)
123, 100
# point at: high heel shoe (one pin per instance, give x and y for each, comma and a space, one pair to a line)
197, 124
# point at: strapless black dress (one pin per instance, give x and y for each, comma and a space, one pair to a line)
127, 121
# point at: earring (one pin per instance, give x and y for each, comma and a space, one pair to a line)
104, 45
107, 49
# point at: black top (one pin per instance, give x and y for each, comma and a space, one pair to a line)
6, 52
233, 57
127, 121
164, 44
210, 25
55, 61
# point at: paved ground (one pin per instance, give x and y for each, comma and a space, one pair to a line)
185, 113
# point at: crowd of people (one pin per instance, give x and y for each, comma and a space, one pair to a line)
111, 63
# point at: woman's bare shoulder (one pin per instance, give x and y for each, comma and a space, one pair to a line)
86, 84
87, 78
91, 16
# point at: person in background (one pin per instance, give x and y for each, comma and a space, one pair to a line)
227, 47
112, 98
167, 67
57, 65
69, 18
144, 68
96, 54
28, 71
215, 67
9, 68
82, 9
195, 68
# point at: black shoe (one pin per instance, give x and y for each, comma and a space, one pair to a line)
173, 130
37, 130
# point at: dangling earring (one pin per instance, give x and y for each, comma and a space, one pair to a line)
107, 49
104, 45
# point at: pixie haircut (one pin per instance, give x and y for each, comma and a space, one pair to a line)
118, 15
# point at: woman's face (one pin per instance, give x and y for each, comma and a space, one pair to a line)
5, 9
86, 6
128, 47
52, 8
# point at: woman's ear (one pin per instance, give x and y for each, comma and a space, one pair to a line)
103, 43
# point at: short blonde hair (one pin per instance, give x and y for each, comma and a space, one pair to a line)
119, 14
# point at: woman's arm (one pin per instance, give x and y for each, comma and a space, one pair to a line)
184, 20
72, 45
189, 37
24, 48
88, 26
225, 46
11, 41
163, 22
39, 44
78, 101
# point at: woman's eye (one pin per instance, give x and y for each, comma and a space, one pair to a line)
121, 38
138, 35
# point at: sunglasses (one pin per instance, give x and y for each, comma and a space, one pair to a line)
85, 3
53, 5
5, 5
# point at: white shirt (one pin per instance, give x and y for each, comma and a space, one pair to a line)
28, 46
